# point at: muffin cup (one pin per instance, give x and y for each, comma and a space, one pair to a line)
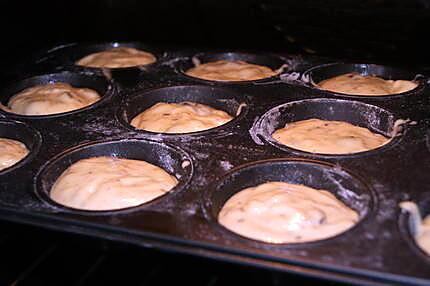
318, 175
65, 57
105, 88
169, 158
271, 61
219, 98
406, 225
372, 117
23, 133
322, 72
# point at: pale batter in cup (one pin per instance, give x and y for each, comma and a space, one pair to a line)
183, 117
110, 183
223, 70
51, 98
279, 212
328, 137
11, 152
356, 84
121, 57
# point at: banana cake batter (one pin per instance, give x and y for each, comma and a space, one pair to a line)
356, 84
279, 212
328, 137
183, 117
109, 183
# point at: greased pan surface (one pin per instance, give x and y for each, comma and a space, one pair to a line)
213, 165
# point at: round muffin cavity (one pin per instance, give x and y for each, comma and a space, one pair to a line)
363, 79
226, 70
287, 201
182, 117
51, 98
120, 57
113, 176
328, 137
356, 84
419, 227
279, 212
19, 143
109, 183
328, 127
185, 110
11, 152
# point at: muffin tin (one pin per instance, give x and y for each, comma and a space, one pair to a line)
214, 164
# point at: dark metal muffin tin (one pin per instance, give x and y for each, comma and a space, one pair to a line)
212, 165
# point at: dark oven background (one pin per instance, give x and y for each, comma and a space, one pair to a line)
377, 30
389, 31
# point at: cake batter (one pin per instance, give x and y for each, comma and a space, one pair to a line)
328, 137
11, 152
51, 99
230, 71
110, 183
421, 227
183, 117
356, 84
279, 212
121, 57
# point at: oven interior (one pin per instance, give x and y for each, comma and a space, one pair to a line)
377, 31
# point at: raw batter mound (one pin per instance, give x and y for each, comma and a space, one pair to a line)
230, 71
279, 212
420, 228
328, 137
109, 183
117, 58
183, 117
356, 84
11, 152
51, 99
